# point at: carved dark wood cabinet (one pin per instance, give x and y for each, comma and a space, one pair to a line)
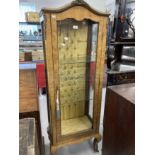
74, 47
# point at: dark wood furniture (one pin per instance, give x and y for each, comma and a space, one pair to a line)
74, 45
28, 140
119, 120
117, 77
121, 46
28, 98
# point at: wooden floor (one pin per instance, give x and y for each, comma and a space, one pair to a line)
75, 125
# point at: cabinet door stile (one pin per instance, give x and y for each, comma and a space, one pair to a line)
50, 77
102, 58
56, 73
96, 97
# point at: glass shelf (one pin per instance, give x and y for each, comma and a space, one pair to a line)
78, 101
75, 62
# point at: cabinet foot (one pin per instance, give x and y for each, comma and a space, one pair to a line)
95, 143
53, 152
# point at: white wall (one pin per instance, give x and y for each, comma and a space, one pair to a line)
101, 5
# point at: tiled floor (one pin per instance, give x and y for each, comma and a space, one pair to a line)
84, 148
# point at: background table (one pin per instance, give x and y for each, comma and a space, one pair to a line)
28, 99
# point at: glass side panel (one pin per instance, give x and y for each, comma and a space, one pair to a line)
92, 66
77, 60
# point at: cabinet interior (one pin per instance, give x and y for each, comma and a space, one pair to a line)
77, 59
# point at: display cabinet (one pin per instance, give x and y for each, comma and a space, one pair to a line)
74, 47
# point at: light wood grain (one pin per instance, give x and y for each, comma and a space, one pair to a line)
28, 94
101, 76
50, 75
81, 15
75, 125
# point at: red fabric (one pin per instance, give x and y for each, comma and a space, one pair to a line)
40, 69
92, 73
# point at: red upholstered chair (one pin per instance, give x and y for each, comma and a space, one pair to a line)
40, 69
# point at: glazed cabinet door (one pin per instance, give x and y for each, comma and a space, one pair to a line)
74, 54
76, 74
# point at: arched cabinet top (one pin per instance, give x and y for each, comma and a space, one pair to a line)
73, 4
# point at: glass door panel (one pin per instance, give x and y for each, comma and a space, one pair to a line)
77, 59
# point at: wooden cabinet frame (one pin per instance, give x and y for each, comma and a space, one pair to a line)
79, 11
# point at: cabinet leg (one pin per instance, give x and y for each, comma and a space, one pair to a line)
53, 151
95, 143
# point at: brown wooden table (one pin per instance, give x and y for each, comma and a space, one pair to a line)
28, 99
119, 120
